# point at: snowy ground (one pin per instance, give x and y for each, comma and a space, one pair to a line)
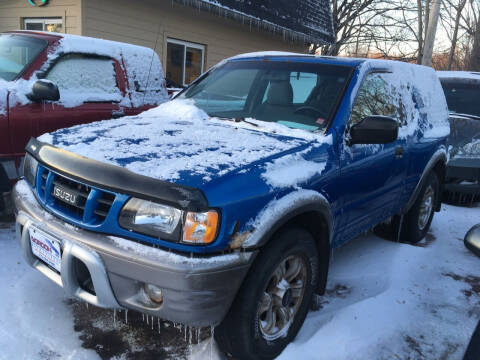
385, 301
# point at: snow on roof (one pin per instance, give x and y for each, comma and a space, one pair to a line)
303, 20
458, 75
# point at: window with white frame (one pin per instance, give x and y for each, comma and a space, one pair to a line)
43, 24
184, 62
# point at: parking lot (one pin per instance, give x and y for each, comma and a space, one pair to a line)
385, 300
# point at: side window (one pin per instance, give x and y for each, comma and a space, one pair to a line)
302, 85
83, 79
377, 96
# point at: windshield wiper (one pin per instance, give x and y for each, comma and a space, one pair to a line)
237, 120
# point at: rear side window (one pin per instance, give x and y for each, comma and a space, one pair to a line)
83, 79
462, 96
374, 98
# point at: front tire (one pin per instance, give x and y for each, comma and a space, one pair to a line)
274, 299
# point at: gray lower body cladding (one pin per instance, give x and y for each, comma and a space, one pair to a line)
196, 291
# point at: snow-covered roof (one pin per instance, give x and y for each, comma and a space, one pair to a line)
302, 20
458, 75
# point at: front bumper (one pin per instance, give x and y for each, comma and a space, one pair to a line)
197, 291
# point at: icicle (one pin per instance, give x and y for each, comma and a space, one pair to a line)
114, 317
143, 317
147, 320
152, 322
190, 335
212, 330
126, 313
159, 325
186, 333
198, 335
86, 305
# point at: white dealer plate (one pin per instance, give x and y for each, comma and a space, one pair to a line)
46, 248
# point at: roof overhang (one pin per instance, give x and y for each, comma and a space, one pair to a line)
306, 21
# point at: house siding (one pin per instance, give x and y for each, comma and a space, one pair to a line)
151, 23
12, 13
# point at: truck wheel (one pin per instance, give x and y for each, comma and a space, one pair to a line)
274, 299
416, 222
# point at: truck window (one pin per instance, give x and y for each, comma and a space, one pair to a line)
82, 79
377, 96
222, 94
17, 52
302, 85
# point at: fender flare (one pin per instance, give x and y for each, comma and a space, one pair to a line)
285, 209
439, 156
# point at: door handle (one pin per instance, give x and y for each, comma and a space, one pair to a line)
399, 152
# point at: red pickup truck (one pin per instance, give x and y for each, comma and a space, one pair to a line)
50, 81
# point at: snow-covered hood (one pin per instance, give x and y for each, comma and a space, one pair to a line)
178, 142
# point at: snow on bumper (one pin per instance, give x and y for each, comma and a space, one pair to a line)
197, 291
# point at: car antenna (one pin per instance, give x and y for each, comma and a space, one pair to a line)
151, 63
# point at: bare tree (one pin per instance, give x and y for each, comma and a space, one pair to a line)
475, 56
352, 21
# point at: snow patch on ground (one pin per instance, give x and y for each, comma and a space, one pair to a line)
35, 321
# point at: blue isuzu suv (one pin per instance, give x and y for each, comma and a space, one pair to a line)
223, 206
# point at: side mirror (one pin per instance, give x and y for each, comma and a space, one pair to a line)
472, 240
374, 130
44, 90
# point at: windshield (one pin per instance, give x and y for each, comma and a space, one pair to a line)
462, 97
16, 53
296, 94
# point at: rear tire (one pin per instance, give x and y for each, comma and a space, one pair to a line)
416, 222
418, 219
274, 299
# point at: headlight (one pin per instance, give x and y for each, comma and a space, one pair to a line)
149, 218
200, 228
30, 166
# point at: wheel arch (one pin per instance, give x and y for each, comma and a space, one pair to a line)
314, 216
438, 165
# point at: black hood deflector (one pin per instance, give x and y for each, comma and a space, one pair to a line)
115, 178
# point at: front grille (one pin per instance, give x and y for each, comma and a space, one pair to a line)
92, 205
